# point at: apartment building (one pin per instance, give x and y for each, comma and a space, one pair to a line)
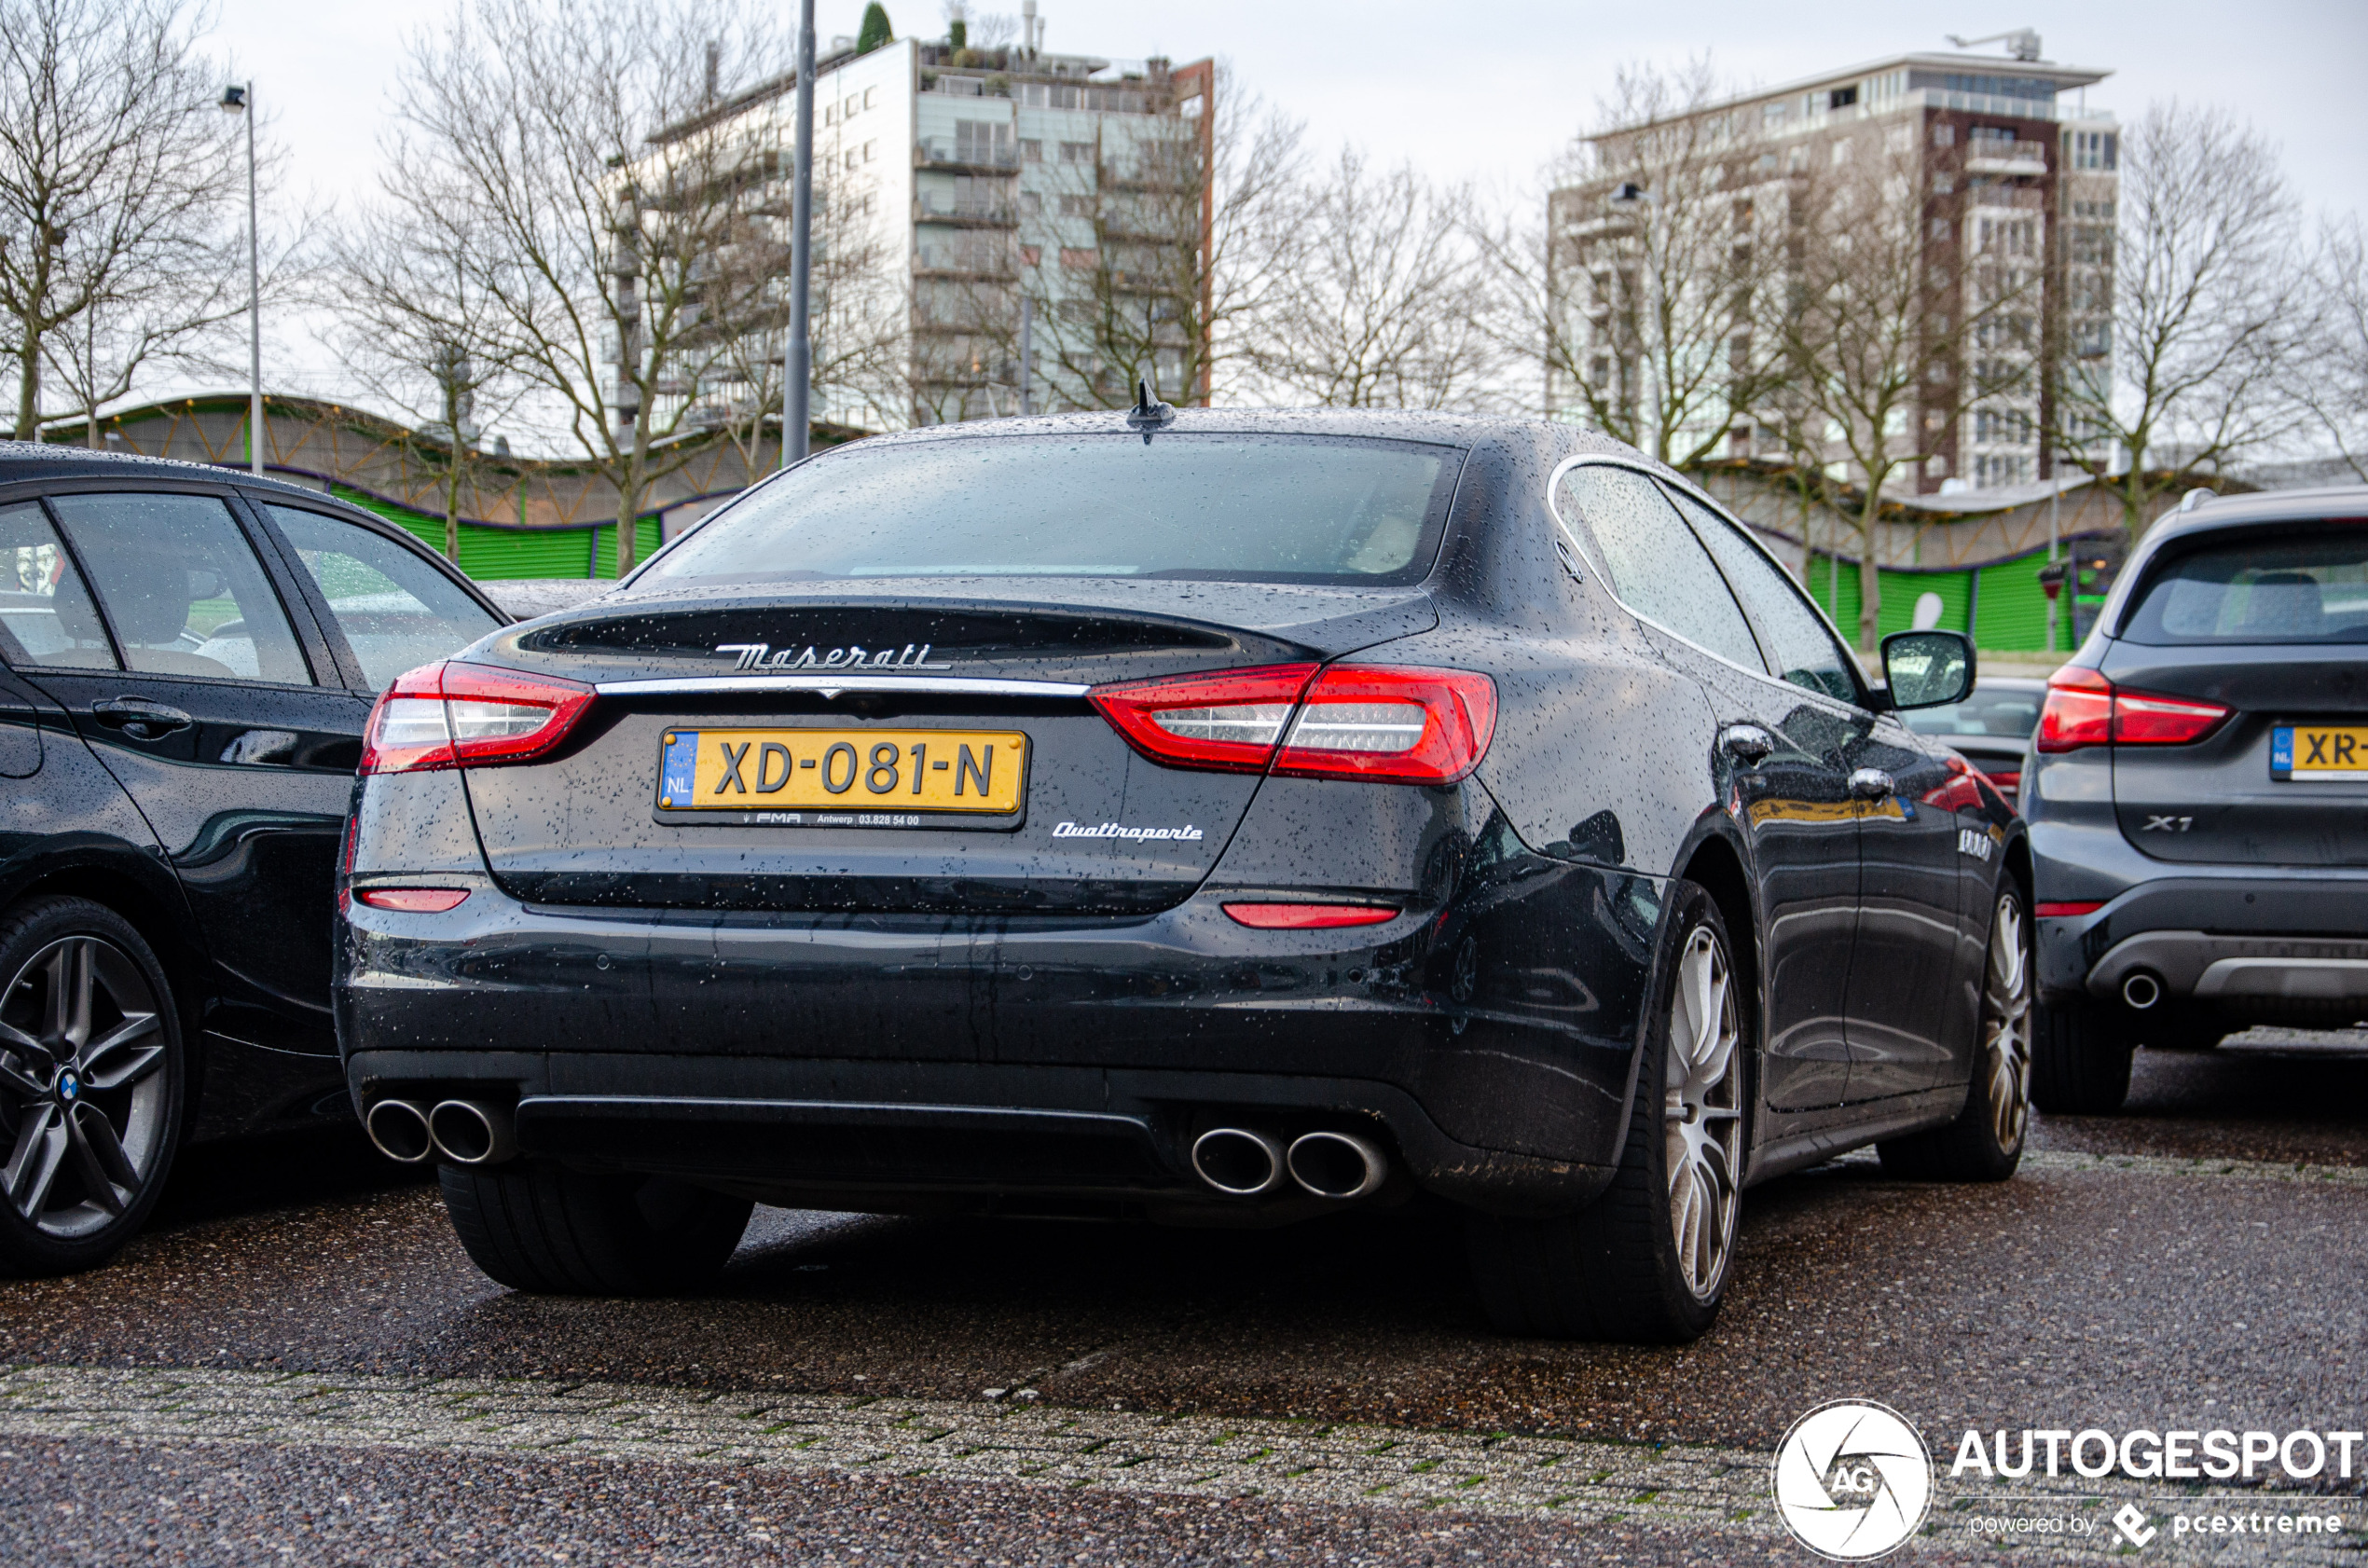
956, 190
2006, 166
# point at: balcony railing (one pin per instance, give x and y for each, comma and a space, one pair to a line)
930, 207
1991, 156
949, 153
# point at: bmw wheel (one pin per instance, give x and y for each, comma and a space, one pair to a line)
90, 1084
1985, 1141
1648, 1263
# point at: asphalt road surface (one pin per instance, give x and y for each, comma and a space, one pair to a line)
297, 1364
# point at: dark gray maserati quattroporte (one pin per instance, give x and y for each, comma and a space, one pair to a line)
1201, 817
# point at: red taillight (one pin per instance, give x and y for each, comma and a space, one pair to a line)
2063, 910
2079, 710
1229, 721
1308, 916
1378, 722
413, 900
2084, 709
1409, 726
464, 715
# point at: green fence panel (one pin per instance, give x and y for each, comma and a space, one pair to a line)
646, 539
2014, 608
2009, 609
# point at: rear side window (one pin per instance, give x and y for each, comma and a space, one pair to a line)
2307, 588
396, 611
1244, 508
1804, 651
179, 585
1656, 565
43, 604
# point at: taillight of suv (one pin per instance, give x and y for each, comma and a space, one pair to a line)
2085, 708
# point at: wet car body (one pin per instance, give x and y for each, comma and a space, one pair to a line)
1044, 1014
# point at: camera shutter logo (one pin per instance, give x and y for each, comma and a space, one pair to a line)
1854, 1480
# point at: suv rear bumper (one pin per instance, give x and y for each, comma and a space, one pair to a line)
2241, 940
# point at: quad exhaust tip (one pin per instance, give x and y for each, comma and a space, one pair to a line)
1238, 1162
1336, 1166
399, 1129
470, 1134
2142, 990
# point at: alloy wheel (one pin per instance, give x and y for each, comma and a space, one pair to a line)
1702, 1112
82, 1086
2005, 1024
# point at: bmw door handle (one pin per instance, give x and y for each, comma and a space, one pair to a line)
139, 717
1871, 784
1748, 744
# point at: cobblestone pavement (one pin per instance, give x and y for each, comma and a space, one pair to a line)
297, 1364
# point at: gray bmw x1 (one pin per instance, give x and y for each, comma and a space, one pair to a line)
2198, 794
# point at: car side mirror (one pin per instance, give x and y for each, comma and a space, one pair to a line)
1927, 668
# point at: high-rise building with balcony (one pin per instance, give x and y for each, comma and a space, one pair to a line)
2008, 170
958, 189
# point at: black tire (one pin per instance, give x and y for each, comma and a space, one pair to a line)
88, 1125
2165, 1035
1985, 1141
1618, 1271
2079, 1060
560, 1232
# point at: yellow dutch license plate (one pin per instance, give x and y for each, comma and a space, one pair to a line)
2328, 752
874, 772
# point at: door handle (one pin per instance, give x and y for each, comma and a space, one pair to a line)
139, 717
1870, 784
1748, 744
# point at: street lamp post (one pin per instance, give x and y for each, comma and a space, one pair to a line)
798, 361
235, 102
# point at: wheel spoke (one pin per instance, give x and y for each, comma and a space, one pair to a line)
118, 1059
70, 985
24, 1080
100, 1156
17, 1039
41, 1148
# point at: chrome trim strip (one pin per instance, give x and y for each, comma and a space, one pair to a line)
831, 681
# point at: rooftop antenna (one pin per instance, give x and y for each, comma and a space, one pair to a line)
2022, 43
1149, 412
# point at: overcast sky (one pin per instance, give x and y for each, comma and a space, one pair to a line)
1486, 89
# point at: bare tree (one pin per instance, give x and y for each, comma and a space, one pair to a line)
1894, 326
2333, 383
414, 332
1385, 305
2207, 306
585, 146
116, 195
1640, 305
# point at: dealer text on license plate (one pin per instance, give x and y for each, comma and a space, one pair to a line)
871, 770
2325, 751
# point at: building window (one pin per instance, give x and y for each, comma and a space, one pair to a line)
870, 96
1842, 96
1030, 203
1940, 229
1944, 136
1081, 258
1796, 158
1943, 185
2096, 149
1842, 153
1031, 149
1031, 255
871, 150
1076, 206
852, 158
1077, 152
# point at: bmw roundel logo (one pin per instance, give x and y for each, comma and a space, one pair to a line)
69, 1086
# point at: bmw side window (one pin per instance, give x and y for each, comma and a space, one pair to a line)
396, 611
180, 586
1656, 565
1802, 650
43, 604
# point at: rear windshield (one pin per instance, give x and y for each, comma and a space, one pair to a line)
2313, 589
1988, 711
1247, 508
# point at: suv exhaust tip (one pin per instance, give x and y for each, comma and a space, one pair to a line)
2143, 989
469, 1134
1236, 1161
1338, 1165
399, 1130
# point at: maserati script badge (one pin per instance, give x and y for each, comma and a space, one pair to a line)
759, 656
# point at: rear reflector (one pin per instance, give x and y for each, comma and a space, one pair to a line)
2065, 911
413, 900
2085, 708
1378, 722
465, 715
1308, 916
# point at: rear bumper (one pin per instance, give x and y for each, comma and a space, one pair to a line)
2240, 940
883, 1061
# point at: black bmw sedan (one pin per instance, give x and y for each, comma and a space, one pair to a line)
1203, 816
187, 659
